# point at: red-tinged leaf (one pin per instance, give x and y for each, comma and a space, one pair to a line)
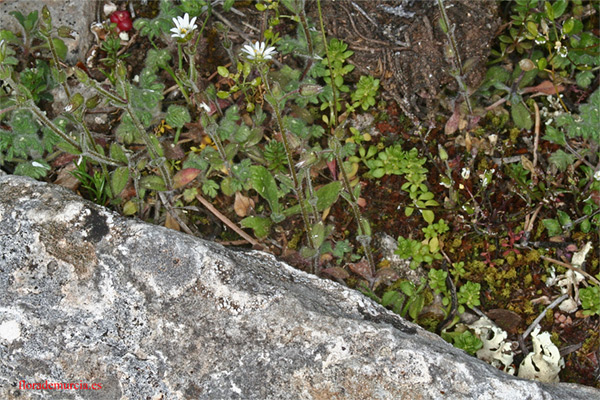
362, 269
361, 202
453, 121
337, 272
332, 168
386, 276
184, 177
546, 87
63, 159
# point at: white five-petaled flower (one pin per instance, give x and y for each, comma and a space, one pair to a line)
183, 26
258, 51
597, 175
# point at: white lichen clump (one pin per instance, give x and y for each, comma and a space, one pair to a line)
495, 351
545, 362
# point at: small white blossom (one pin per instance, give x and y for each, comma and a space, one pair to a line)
597, 175
38, 165
258, 51
205, 107
465, 173
183, 26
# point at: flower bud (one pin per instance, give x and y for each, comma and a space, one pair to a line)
76, 102
46, 17
310, 90
526, 64
92, 102
65, 32
81, 75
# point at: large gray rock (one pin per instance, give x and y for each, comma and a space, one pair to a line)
89, 297
76, 14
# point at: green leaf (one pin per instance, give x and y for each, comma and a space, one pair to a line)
209, 188
563, 218
60, 47
328, 194
265, 185
553, 227
521, 117
428, 216
562, 160
177, 116
554, 135
222, 94
549, 10
157, 59
416, 305
559, 8
117, 153
318, 234
118, 179
260, 225
153, 182
584, 78
228, 4
572, 26
390, 298
224, 72
34, 169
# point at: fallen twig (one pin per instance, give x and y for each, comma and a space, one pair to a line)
571, 267
229, 223
538, 319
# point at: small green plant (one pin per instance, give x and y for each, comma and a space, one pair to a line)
590, 300
405, 298
465, 340
566, 130
417, 252
95, 183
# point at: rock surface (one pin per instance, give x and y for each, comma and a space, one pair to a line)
87, 296
76, 14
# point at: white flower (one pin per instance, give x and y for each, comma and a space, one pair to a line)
597, 175
183, 26
205, 107
258, 51
465, 173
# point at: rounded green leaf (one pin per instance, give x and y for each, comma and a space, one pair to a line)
224, 72
177, 116
428, 216
153, 182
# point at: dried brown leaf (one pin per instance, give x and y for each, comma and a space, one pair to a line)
242, 204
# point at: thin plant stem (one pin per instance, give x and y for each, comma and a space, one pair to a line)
137, 124
452, 40
363, 230
288, 152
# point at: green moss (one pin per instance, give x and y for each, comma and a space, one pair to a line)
456, 243
527, 280
510, 258
293, 242
514, 134
532, 256
549, 317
